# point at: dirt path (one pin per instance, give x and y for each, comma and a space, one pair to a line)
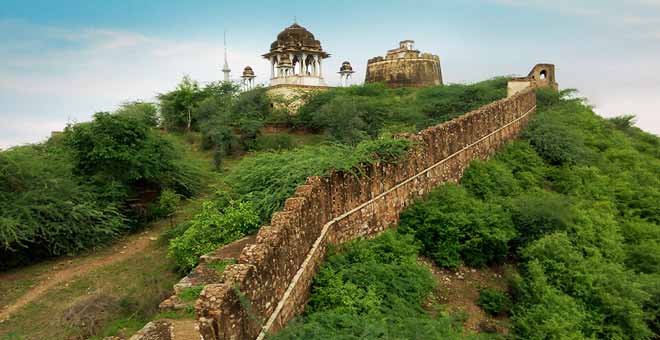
459, 290
64, 270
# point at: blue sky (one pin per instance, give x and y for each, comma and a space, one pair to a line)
61, 61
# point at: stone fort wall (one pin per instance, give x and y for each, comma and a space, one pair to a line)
409, 71
270, 283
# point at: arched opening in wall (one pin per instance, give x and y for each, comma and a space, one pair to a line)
543, 75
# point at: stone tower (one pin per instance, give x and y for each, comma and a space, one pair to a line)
296, 58
405, 66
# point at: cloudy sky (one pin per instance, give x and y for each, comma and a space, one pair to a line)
61, 61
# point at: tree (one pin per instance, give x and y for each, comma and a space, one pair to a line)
147, 112
177, 106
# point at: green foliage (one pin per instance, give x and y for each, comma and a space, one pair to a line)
147, 112
624, 122
442, 103
370, 277
578, 193
267, 179
350, 115
372, 290
217, 224
229, 120
177, 106
46, 209
77, 190
190, 294
274, 142
493, 301
453, 226
119, 148
540, 212
167, 203
489, 179
220, 266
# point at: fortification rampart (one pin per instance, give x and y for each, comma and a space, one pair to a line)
270, 283
405, 67
409, 71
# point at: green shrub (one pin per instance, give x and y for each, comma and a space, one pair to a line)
350, 115
213, 227
538, 213
372, 289
220, 266
267, 179
493, 302
489, 179
274, 142
168, 202
190, 294
376, 276
454, 226
46, 209
584, 223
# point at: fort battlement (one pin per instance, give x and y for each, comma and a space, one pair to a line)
405, 66
541, 75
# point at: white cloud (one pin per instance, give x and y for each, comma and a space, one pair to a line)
49, 84
640, 17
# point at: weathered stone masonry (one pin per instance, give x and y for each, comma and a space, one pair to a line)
270, 283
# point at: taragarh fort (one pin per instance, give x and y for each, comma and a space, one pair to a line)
269, 283
296, 64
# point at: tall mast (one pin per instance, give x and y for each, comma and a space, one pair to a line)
225, 68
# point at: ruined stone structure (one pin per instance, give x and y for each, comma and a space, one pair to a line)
270, 282
296, 58
542, 75
405, 66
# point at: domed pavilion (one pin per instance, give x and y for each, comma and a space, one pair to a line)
296, 58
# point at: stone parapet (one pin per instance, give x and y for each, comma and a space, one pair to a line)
270, 283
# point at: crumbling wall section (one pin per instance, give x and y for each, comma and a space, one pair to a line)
270, 283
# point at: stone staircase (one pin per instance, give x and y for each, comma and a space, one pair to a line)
206, 272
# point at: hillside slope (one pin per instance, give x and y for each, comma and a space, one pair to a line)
573, 205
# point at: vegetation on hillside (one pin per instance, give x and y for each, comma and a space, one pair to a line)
373, 289
350, 115
576, 204
85, 186
230, 123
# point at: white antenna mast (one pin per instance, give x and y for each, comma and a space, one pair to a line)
225, 68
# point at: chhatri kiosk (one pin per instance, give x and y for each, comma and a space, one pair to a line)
296, 58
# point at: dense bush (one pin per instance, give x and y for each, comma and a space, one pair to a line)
372, 290
576, 196
119, 148
86, 185
217, 224
352, 114
47, 210
267, 179
229, 120
493, 301
452, 225
274, 142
